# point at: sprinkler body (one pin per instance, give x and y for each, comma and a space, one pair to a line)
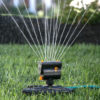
49, 71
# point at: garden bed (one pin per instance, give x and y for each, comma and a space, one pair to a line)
9, 33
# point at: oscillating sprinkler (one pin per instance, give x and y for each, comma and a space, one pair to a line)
49, 71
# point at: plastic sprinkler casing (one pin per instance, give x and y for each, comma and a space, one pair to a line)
49, 71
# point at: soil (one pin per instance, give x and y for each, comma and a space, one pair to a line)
9, 33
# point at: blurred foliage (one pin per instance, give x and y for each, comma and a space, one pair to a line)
12, 9
93, 8
64, 11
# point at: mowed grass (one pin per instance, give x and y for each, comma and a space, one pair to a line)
18, 69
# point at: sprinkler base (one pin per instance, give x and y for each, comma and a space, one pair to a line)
46, 89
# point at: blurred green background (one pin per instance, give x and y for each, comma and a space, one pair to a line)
61, 10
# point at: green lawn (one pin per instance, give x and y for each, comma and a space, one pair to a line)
18, 68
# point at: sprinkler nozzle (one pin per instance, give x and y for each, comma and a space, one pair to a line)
50, 70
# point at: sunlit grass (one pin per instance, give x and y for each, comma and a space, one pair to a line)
18, 69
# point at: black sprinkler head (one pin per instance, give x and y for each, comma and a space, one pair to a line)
49, 71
